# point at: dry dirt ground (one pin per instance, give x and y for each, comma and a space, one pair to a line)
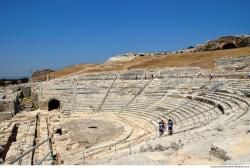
90, 132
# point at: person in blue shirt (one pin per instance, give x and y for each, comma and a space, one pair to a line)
170, 127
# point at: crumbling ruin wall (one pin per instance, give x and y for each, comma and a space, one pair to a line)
24, 88
35, 99
7, 109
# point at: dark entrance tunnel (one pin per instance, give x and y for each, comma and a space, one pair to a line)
228, 46
53, 104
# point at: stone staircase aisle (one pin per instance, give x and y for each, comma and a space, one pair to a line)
41, 135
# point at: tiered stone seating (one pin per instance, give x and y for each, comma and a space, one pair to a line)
141, 104
85, 91
121, 93
164, 85
136, 130
179, 94
180, 72
226, 102
96, 76
131, 75
242, 85
154, 92
90, 94
141, 130
184, 111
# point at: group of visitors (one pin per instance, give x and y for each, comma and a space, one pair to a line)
145, 76
210, 75
162, 127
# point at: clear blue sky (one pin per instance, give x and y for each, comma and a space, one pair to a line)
37, 34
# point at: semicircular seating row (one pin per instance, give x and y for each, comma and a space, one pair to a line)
166, 97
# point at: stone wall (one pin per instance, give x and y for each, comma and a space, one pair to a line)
24, 88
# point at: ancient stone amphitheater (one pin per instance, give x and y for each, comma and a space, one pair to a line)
112, 118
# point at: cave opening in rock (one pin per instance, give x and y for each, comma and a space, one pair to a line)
228, 46
53, 104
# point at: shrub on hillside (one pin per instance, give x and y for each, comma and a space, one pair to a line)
2, 82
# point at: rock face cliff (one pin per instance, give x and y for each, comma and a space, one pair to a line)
226, 42
222, 43
124, 57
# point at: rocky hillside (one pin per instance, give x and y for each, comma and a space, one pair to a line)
203, 56
226, 42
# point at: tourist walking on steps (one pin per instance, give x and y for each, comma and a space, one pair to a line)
210, 76
170, 127
162, 126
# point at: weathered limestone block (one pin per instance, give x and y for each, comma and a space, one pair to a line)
160, 145
176, 145
220, 152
